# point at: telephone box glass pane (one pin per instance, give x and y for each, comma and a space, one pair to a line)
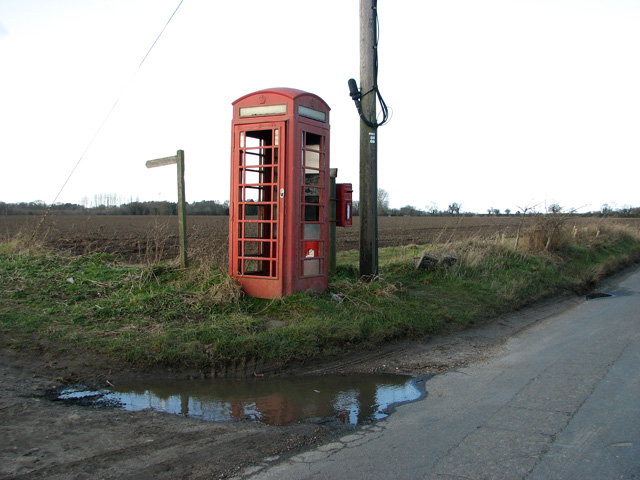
311, 195
311, 176
311, 267
311, 213
312, 157
312, 231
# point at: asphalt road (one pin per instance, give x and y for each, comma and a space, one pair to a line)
560, 400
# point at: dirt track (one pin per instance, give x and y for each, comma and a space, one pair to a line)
40, 438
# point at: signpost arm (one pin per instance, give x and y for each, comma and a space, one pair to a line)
182, 210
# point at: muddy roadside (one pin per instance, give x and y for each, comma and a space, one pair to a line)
44, 439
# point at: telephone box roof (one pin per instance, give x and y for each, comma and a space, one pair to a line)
292, 93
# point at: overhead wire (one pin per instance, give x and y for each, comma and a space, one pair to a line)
104, 121
383, 106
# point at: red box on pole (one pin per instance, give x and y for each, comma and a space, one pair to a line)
344, 205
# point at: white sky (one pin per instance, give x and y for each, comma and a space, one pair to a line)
496, 103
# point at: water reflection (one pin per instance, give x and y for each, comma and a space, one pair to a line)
351, 399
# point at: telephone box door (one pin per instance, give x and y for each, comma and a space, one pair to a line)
256, 207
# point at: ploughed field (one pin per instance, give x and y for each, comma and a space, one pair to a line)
155, 238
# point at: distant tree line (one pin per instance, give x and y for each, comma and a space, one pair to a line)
214, 207
455, 208
206, 207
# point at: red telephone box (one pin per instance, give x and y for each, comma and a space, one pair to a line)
279, 205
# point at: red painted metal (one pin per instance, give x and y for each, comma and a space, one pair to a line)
344, 204
278, 211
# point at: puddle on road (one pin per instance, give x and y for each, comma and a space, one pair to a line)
349, 399
596, 295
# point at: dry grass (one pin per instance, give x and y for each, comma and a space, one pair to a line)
208, 266
356, 292
227, 291
603, 231
475, 250
21, 244
548, 233
210, 251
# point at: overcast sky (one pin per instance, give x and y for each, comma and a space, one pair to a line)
495, 103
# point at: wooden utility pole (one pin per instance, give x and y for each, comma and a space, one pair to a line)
368, 145
177, 159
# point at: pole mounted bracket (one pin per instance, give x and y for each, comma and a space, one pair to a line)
355, 94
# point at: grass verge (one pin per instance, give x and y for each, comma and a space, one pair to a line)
160, 315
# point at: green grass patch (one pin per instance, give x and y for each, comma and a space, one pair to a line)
160, 315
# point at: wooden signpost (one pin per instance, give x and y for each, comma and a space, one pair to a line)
182, 208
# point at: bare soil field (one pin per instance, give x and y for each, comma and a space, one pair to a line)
155, 238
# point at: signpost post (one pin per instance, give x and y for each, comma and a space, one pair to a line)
178, 159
